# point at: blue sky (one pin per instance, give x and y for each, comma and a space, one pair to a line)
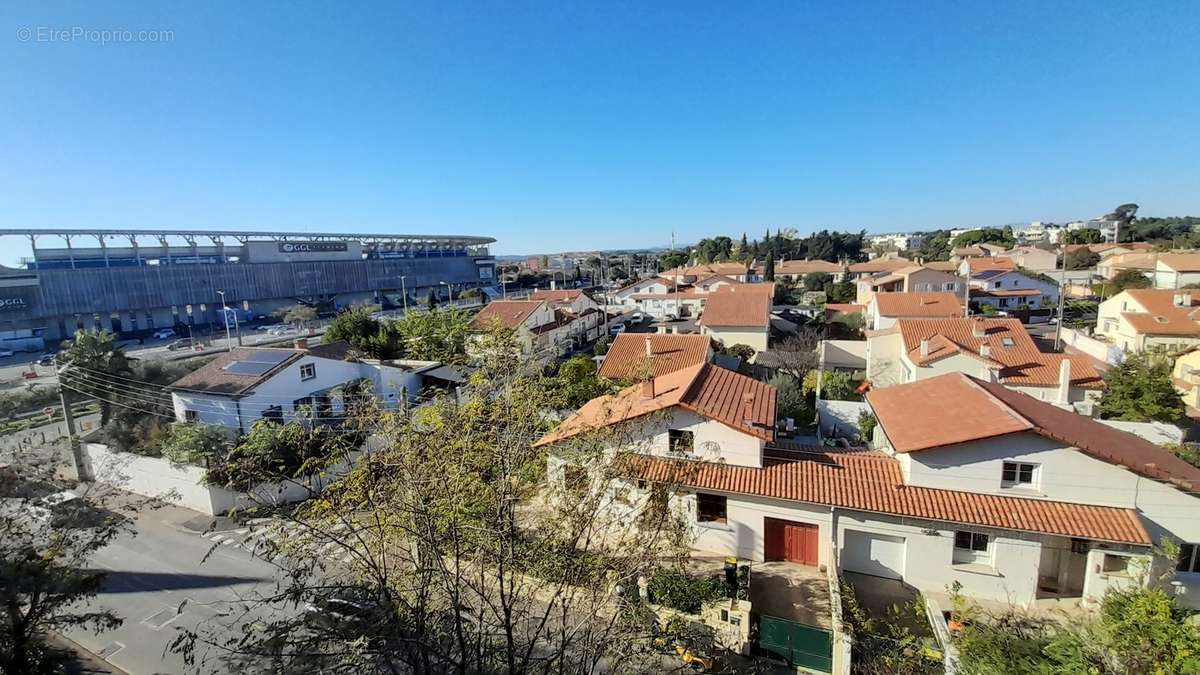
555, 126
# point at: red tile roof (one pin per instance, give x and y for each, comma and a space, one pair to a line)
872, 482
990, 263
1163, 316
956, 408
505, 313
740, 402
880, 265
669, 353
1009, 347
741, 305
566, 295
919, 304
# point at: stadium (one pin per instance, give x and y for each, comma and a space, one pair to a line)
134, 282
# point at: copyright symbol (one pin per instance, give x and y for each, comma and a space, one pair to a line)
24, 33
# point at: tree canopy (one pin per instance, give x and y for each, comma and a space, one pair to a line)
1140, 390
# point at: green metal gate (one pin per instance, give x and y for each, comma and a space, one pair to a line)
796, 643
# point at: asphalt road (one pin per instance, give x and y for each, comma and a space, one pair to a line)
158, 583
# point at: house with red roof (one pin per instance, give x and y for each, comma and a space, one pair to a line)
1009, 289
995, 350
1148, 319
884, 309
739, 315
1124, 495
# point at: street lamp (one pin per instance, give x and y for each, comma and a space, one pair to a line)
225, 317
404, 292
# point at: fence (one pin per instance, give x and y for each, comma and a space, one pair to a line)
1101, 351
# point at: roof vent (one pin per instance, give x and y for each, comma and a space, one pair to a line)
748, 407
985, 350
648, 389
1162, 319
924, 348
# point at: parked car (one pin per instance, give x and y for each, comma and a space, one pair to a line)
182, 343
280, 330
47, 359
164, 333
616, 329
637, 317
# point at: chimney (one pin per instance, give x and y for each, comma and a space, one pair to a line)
977, 330
661, 330
748, 407
924, 348
302, 344
674, 330
552, 286
1185, 299
985, 350
649, 347
648, 389
1064, 382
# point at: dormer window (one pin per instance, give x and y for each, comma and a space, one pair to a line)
1019, 474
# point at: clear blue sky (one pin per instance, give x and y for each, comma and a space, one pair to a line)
557, 126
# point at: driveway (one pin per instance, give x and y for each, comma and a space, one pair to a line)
791, 591
877, 595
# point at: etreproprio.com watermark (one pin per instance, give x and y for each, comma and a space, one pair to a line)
100, 36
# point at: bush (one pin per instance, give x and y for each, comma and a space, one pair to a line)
684, 592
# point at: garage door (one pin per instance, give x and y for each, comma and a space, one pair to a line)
791, 541
879, 555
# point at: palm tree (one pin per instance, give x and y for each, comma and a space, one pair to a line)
94, 360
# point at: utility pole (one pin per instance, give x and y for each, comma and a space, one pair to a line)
676, 275
404, 293
225, 317
1062, 298
81, 473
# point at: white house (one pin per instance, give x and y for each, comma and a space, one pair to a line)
652, 285
1009, 289
1015, 499
884, 309
1176, 270
739, 315
997, 350
573, 300
541, 326
250, 383
1144, 319
912, 279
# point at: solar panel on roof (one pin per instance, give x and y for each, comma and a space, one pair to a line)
256, 364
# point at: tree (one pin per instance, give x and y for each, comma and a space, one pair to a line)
1140, 390
841, 292
1081, 259
356, 326
866, 426
769, 268
436, 335
790, 399
1084, 235
601, 346
95, 365
195, 443
576, 383
47, 575
797, 354
985, 235
431, 300
835, 385
669, 260
817, 281
1126, 279
473, 555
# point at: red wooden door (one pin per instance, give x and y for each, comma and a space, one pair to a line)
793, 542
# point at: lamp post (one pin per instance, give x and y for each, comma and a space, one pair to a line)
404, 293
225, 317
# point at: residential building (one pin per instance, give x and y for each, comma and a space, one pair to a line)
1013, 499
535, 324
995, 350
1142, 262
1033, 258
1176, 270
652, 285
714, 282
1008, 289
1106, 250
1147, 319
639, 355
885, 309
573, 300
796, 270
877, 265
970, 266
911, 279
247, 384
956, 432
897, 242
691, 274
1038, 232
739, 315
1186, 377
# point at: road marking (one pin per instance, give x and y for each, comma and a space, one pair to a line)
110, 649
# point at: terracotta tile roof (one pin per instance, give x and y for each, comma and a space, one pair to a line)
880, 265
669, 353
1163, 316
940, 304
839, 308
646, 281
683, 293
1181, 262
505, 313
977, 264
1009, 347
566, 295
212, 377
708, 269
1131, 261
942, 265
741, 305
804, 267
965, 251
872, 482
932, 413
740, 402
716, 278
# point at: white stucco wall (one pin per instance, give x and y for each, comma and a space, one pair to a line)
743, 534
755, 338
713, 441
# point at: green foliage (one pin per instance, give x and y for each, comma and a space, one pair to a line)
717, 249
1140, 390
840, 292
436, 335
95, 363
1081, 258
672, 259
987, 235
743, 352
817, 281
272, 452
1187, 452
888, 644
576, 383
357, 327
601, 346
34, 397
1126, 279
430, 300
296, 313
684, 592
769, 267
1085, 235
790, 399
936, 246
866, 426
195, 443
835, 385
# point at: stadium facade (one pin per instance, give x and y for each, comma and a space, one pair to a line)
134, 282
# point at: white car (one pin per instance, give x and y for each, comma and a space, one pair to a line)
164, 333
280, 330
637, 317
616, 328
5, 352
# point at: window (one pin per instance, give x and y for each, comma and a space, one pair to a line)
308, 371
303, 404
681, 441
1018, 474
273, 414
575, 479
1115, 564
190, 416
710, 508
972, 547
1189, 558
950, 286
1007, 341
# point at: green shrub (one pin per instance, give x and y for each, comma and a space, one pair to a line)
685, 592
